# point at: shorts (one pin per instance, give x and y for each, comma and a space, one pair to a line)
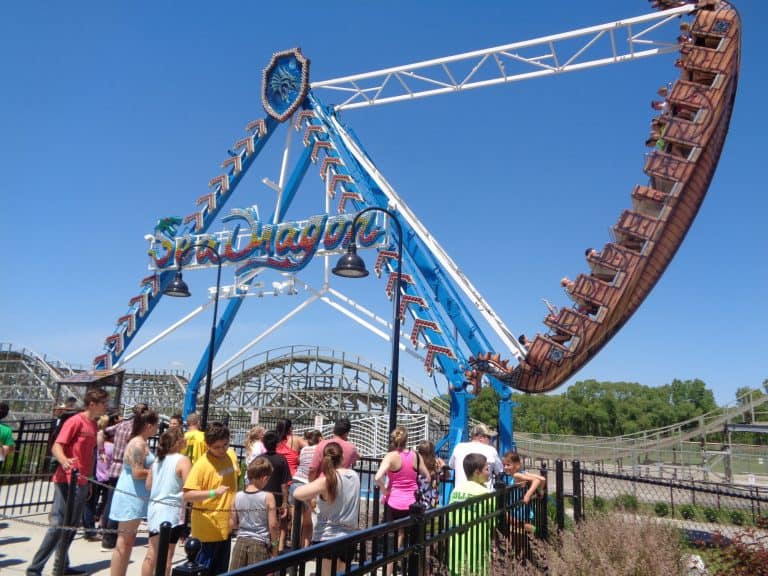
176, 533
394, 514
292, 488
248, 551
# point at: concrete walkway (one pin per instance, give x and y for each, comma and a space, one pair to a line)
20, 538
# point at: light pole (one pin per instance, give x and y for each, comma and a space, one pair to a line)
178, 288
350, 265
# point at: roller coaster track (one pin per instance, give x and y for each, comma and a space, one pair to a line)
639, 443
28, 383
687, 139
310, 381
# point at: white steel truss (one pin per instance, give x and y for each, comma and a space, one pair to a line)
610, 43
458, 276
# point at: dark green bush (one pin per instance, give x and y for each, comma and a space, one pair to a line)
598, 503
737, 517
552, 514
711, 514
661, 509
687, 511
626, 502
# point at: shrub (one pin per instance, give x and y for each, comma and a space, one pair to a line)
597, 504
687, 511
737, 517
661, 509
711, 514
745, 554
552, 514
610, 545
626, 502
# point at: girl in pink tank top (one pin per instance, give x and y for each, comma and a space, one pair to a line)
402, 483
397, 476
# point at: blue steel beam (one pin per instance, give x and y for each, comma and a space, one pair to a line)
227, 318
441, 290
166, 277
374, 196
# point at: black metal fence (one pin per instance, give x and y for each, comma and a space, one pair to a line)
698, 507
25, 474
440, 539
463, 538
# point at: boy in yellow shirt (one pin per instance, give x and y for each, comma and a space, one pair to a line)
211, 486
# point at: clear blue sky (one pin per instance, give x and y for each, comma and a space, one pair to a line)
116, 114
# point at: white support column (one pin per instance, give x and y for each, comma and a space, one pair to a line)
152, 341
438, 252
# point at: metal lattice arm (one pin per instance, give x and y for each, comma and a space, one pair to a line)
610, 43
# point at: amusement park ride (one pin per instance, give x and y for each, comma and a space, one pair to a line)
440, 303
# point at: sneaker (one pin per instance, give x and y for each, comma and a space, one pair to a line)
72, 571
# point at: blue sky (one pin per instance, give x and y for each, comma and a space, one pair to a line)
117, 114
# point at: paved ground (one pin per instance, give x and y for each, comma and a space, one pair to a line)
20, 538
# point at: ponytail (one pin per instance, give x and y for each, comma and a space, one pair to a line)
331, 461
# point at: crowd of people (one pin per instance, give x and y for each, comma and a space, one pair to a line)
191, 481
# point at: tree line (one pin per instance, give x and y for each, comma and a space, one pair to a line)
592, 408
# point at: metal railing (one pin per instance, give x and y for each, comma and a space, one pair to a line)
25, 474
459, 537
694, 507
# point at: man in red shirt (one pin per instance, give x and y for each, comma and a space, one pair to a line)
341, 437
73, 449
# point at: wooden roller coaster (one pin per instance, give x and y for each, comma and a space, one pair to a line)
687, 138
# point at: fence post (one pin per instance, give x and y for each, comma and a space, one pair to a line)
502, 503
19, 443
192, 548
298, 513
376, 508
559, 495
577, 491
417, 559
672, 500
162, 548
542, 518
60, 563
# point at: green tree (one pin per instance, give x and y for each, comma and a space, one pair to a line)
485, 406
689, 398
590, 407
745, 393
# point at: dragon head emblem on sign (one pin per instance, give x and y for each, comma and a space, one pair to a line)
286, 83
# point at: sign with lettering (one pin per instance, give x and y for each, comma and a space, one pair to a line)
287, 246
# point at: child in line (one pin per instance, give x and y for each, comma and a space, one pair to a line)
211, 486
470, 551
513, 468
517, 476
429, 487
254, 515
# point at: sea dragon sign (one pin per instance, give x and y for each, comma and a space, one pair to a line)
287, 246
